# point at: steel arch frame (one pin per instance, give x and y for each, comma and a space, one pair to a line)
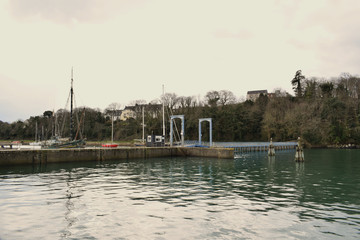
182, 129
210, 129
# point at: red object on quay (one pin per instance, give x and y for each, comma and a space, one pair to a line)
110, 145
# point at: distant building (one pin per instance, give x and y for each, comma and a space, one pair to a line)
116, 113
136, 111
253, 95
128, 112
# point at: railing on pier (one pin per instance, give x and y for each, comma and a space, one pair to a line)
241, 147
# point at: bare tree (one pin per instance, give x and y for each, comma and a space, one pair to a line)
279, 92
212, 98
155, 101
226, 97
170, 100
137, 102
113, 109
186, 102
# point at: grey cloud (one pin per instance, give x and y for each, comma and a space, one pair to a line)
337, 41
65, 11
242, 34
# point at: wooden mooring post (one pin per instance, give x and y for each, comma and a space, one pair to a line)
271, 151
299, 154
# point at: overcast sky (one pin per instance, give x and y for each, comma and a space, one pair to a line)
125, 50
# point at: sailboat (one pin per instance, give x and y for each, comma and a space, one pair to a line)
112, 144
37, 144
72, 141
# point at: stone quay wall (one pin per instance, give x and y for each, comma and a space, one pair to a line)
43, 156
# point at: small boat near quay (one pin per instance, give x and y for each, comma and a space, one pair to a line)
110, 145
18, 145
12, 145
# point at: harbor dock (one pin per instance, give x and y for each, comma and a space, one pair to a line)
265, 148
18, 156
245, 147
43, 156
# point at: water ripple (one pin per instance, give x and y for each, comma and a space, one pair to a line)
183, 198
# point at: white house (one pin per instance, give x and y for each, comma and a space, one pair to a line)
135, 111
253, 95
128, 112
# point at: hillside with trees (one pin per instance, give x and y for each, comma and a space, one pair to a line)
322, 112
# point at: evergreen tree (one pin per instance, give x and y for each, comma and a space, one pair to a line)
297, 83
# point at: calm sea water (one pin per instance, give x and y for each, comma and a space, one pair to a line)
251, 197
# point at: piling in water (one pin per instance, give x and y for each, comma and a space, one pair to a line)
299, 155
271, 151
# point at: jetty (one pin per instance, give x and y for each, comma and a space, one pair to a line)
264, 147
44, 156
218, 150
244, 147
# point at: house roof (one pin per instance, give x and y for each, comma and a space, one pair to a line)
257, 92
115, 112
146, 106
132, 108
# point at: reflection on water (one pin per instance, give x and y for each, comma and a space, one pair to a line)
253, 196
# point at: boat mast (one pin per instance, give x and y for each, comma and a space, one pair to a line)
163, 114
71, 105
143, 125
55, 128
36, 132
112, 126
53, 123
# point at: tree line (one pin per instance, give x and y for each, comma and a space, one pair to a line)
322, 112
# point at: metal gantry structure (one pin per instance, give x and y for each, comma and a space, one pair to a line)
182, 129
210, 129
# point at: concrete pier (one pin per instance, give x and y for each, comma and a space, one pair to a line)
13, 157
263, 148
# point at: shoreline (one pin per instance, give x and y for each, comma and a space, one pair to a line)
340, 146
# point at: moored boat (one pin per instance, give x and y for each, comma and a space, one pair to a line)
110, 145
71, 142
